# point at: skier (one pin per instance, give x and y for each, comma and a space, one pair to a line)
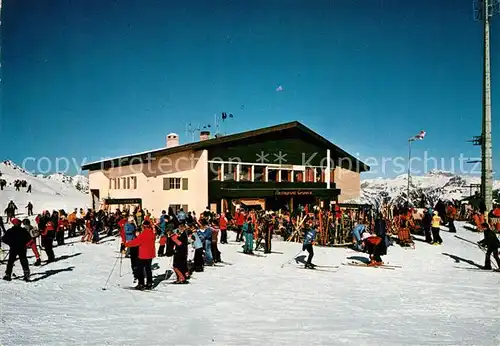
357, 234
180, 257
30, 209
29, 189
248, 230
268, 235
240, 221
72, 224
214, 249
163, 222
34, 233
10, 211
375, 247
132, 252
223, 228
181, 216
492, 244
17, 238
2, 230
451, 213
62, 226
380, 228
207, 240
198, 251
145, 242
48, 234
139, 216
121, 224
436, 225
310, 235
427, 224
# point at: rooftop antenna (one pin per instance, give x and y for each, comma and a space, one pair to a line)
192, 129
484, 10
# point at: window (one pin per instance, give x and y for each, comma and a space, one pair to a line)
177, 207
124, 183
259, 171
215, 171
285, 175
134, 183
272, 175
245, 173
320, 175
117, 183
229, 172
309, 175
175, 183
298, 177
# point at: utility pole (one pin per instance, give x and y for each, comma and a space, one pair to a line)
484, 10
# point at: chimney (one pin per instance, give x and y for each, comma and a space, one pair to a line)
204, 135
172, 140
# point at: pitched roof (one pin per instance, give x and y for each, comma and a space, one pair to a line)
113, 162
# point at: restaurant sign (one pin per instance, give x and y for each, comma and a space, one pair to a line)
294, 193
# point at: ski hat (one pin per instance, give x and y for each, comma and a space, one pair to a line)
436, 213
16, 222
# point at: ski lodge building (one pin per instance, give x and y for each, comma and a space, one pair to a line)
271, 167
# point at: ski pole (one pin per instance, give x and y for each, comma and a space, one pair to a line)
112, 270
291, 259
121, 261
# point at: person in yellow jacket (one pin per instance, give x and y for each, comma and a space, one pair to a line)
436, 225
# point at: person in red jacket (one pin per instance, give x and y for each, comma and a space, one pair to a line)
223, 228
121, 223
240, 220
147, 251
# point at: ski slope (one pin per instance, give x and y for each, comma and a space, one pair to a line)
256, 302
53, 192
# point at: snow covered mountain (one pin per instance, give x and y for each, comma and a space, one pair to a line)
55, 191
427, 188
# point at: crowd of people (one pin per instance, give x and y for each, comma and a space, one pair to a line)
175, 232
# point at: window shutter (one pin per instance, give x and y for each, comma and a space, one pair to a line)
332, 176
166, 183
184, 183
185, 207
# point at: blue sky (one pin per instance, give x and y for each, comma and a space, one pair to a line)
96, 78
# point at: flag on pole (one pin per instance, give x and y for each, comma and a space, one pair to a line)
418, 137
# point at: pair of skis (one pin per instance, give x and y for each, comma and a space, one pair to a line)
383, 266
320, 268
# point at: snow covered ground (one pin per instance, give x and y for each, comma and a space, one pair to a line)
256, 302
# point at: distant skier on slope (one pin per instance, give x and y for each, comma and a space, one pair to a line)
492, 244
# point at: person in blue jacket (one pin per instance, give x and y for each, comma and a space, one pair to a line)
132, 252
206, 236
198, 251
163, 223
309, 236
357, 233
